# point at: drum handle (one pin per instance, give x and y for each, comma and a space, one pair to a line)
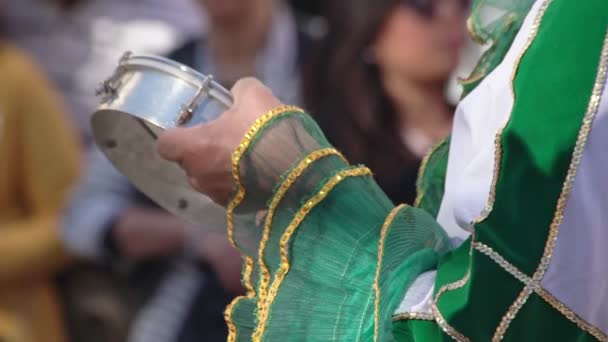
207, 88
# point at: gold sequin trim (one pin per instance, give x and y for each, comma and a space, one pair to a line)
443, 324
286, 239
503, 263
532, 286
422, 170
564, 310
512, 311
238, 198
577, 156
229, 309
282, 190
376, 286
238, 154
413, 316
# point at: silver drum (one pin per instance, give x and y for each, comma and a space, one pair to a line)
146, 95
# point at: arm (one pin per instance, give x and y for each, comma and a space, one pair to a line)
48, 168
327, 255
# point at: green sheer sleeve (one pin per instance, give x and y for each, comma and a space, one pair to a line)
327, 255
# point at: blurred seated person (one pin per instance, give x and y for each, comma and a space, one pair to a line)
377, 83
187, 288
40, 162
258, 38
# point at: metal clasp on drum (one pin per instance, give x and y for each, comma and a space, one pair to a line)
188, 110
108, 89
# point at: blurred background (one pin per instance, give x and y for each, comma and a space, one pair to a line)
84, 256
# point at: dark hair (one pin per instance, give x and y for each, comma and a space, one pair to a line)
344, 92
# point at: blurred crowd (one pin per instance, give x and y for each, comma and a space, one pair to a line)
84, 256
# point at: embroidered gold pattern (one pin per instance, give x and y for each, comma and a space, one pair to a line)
376, 286
286, 239
282, 190
238, 198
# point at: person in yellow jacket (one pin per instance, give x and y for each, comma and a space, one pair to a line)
39, 162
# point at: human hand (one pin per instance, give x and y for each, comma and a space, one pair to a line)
225, 260
204, 151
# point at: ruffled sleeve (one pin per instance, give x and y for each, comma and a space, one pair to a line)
327, 255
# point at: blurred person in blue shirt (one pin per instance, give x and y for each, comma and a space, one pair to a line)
110, 220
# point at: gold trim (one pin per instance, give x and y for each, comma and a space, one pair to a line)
492, 196
569, 314
413, 316
286, 239
284, 187
229, 309
514, 309
376, 286
504, 264
473, 32
579, 149
237, 154
443, 324
532, 286
422, 170
441, 321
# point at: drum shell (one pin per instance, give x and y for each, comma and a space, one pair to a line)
143, 100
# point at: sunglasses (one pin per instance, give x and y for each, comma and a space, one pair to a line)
430, 8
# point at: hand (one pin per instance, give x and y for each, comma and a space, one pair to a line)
225, 260
149, 233
204, 151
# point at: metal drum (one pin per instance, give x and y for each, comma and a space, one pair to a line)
146, 95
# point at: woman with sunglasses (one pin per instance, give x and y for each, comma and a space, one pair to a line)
378, 81
509, 241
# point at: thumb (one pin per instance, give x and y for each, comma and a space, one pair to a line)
172, 144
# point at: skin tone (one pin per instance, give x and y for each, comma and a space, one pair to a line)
237, 31
204, 151
416, 55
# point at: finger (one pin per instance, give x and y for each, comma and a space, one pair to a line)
172, 143
244, 86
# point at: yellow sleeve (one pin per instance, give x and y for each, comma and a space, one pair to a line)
48, 163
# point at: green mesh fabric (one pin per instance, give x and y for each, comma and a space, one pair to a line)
494, 23
328, 292
431, 181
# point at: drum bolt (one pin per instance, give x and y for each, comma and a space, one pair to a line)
182, 204
110, 144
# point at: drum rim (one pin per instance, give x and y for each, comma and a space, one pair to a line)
178, 70
178, 67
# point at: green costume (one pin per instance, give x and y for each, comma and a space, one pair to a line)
506, 241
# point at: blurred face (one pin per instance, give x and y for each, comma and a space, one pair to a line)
422, 39
229, 11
